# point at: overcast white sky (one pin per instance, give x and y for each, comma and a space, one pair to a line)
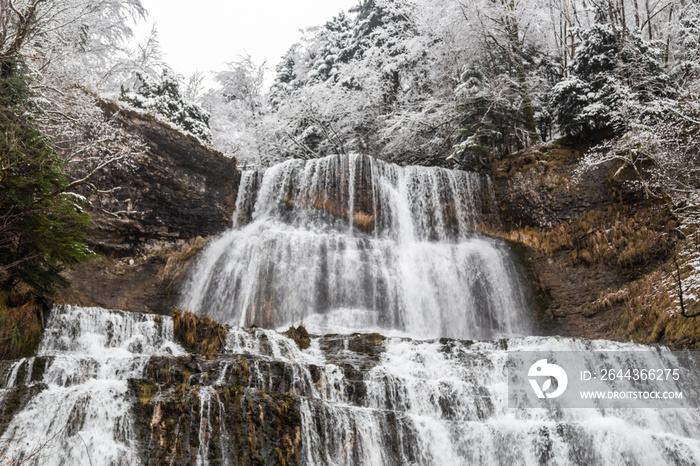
204, 34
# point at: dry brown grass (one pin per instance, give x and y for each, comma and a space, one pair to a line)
652, 310
20, 325
641, 238
608, 300
646, 313
198, 334
619, 235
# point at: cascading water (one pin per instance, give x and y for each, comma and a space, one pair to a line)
355, 244
348, 244
82, 416
342, 244
361, 399
444, 403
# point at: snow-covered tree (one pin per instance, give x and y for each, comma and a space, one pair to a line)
164, 97
686, 65
81, 35
502, 83
418, 81
618, 85
611, 82
61, 49
237, 108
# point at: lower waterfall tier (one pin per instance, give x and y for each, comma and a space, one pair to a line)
114, 388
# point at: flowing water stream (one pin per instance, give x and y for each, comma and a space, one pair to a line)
344, 245
82, 416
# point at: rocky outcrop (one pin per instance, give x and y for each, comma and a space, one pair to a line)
539, 188
584, 238
207, 425
150, 217
15, 400
20, 381
242, 409
142, 283
176, 189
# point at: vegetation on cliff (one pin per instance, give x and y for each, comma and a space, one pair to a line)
621, 235
164, 98
69, 156
299, 335
42, 226
42, 221
21, 319
603, 266
200, 335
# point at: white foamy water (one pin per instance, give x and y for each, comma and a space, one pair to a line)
342, 244
446, 402
355, 244
84, 416
438, 403
397, 401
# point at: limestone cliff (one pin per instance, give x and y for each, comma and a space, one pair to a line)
176, 189
599, 254
150, 216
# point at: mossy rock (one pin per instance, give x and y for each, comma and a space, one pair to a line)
21, 323
300, 336
200, 335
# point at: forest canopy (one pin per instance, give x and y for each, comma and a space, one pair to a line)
461, 84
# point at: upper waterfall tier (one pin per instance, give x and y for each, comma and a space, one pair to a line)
350, 243
342, 192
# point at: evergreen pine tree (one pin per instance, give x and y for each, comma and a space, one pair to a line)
41, 225
613, 79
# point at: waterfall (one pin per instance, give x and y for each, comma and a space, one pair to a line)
342, 245
351, 243
445, 402
82, 416
361, 399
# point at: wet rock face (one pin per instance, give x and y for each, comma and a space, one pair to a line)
12, 372
362, 350
149, 218
537, 188
246, 407
14, 400
145, 283
217, 425
178, 189
20, 381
